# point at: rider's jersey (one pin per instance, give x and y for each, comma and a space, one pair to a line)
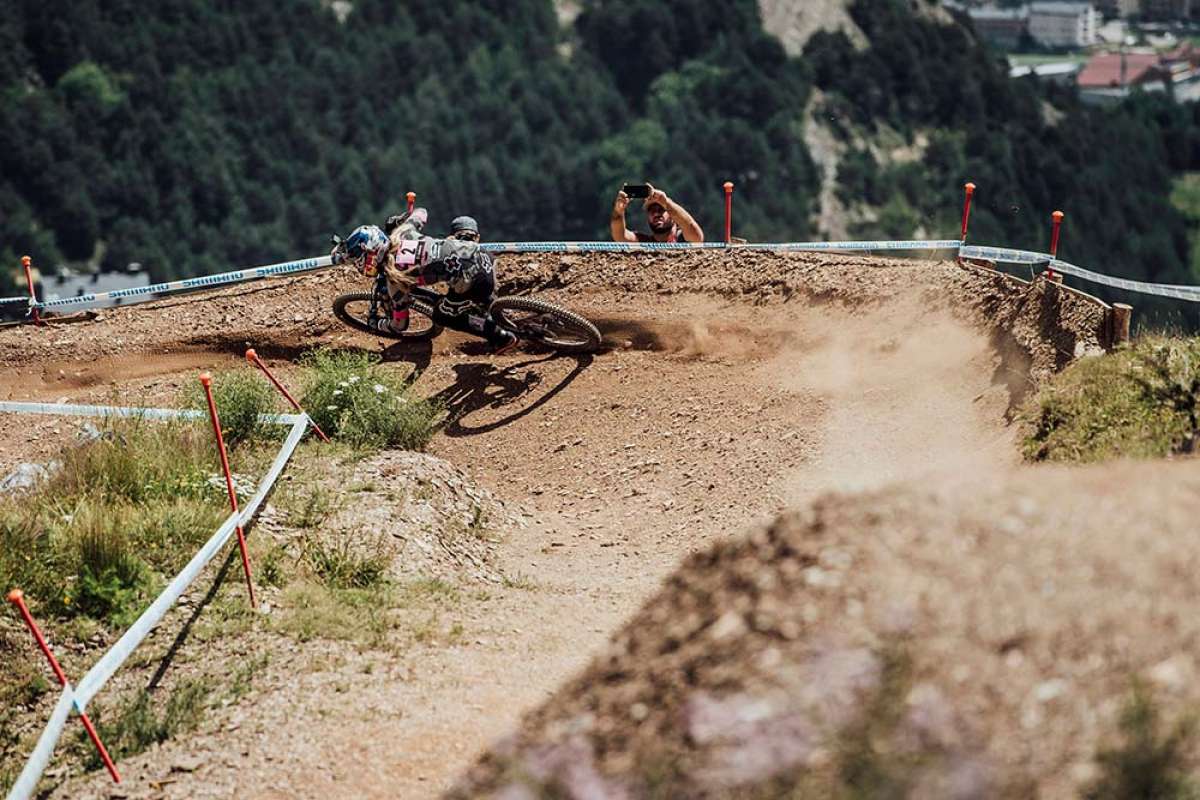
458, 263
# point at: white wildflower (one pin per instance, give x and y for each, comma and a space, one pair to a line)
343, 384
331, 408
354, 379
379, 388
336, 392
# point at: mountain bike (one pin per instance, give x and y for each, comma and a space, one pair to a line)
529, 318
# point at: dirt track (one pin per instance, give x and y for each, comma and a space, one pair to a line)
726, 398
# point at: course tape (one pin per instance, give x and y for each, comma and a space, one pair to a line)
117, 411
22, 299
78, 698
155, 291
1011, 256
650, 247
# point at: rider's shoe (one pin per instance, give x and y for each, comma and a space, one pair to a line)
385, 325
508, 345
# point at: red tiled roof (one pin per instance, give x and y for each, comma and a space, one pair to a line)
1104, 70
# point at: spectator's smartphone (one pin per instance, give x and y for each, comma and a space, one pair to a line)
636, 191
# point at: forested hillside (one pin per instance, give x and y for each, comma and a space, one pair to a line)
197, 135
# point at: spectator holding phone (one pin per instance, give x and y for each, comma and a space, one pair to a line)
668, 221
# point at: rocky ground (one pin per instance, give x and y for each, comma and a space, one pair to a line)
733, 388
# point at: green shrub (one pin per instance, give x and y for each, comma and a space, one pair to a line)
354, 399
113, 582
1140, 402
240, 396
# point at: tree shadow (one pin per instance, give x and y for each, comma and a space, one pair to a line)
479, 385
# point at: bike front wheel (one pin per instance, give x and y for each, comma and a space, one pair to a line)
354, 309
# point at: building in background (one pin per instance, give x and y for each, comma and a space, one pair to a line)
1059, 72
1063, 25
1109, 77
1003, 27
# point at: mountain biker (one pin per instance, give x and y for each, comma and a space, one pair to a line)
409, 259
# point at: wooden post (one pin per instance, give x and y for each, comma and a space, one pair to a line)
1120, 317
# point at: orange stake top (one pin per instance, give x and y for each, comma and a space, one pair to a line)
205, 379
251, 355
16, 596
26, 261
970, 187
729, 186
1057, 216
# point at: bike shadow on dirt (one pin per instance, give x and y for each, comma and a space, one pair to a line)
483, 385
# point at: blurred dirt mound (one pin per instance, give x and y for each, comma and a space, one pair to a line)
936, 645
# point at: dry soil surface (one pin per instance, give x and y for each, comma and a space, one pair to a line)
731, 388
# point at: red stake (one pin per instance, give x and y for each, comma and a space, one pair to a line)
970, 187
1055, 226
206, 381
253, 358
412, 200
728, 212
17, 598
25, 262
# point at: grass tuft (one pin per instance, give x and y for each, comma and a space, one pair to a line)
354, 399
343, 560
1150, 761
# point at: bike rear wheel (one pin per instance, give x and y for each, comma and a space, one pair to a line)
354, 309
546, 323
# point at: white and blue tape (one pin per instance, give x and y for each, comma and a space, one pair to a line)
63, 409
142, 294
652, 247
1012, 256
78, 697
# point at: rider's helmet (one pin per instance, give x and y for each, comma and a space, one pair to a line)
464, 228
366, 247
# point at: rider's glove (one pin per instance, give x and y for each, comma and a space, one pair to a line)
338, 254
393, 222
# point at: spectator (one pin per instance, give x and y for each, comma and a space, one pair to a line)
668, 221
